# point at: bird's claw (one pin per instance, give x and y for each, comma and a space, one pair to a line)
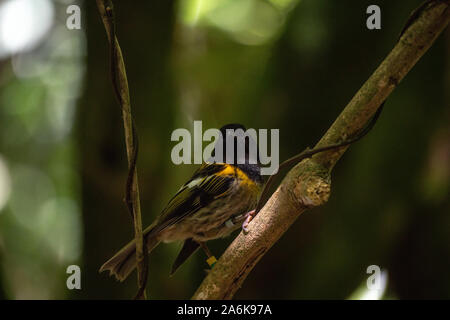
248, 217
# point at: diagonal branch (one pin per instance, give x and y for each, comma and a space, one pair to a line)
307, 185
120, 85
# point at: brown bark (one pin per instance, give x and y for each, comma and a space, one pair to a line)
308, 184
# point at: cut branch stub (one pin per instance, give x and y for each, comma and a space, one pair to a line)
308, 184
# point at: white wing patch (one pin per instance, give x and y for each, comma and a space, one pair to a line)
191, 184
194, 183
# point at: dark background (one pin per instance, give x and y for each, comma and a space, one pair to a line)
284, 64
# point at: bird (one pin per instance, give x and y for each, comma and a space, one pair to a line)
219, 198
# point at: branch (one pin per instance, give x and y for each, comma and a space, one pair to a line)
307, 185
120, 85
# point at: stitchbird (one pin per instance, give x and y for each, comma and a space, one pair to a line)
215, 201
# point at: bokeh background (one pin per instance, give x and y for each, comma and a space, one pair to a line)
287, 64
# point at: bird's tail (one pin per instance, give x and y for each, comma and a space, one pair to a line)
123, 262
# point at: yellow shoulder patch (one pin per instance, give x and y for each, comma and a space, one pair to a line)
241, 175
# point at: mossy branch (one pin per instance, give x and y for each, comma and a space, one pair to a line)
120, 85
308, 185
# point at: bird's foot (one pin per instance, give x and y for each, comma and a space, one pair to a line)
248, 217
211, 261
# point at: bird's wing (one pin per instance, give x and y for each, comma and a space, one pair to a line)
209, 182
189, 247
